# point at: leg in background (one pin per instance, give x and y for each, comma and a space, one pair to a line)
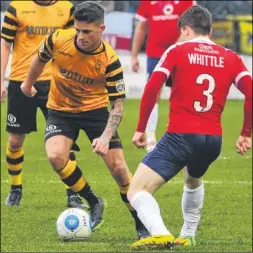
14, 159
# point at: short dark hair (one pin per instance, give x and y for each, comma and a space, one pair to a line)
198, 18
89, 11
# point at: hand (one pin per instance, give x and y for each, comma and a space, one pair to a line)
3, 91
139, 140
135, 64
29, 92
101, 146
243, 144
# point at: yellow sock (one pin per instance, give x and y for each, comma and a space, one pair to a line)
123, 193
73, 177
14, 164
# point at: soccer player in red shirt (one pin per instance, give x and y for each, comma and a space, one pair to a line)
202, 73
154, 17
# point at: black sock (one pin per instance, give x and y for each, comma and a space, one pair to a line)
72, 156
70, 192
89, 195
16, 187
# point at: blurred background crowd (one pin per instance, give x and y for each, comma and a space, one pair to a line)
232, 22
219, 9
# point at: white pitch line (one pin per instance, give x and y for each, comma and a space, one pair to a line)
216, 182
232, 157
85, 158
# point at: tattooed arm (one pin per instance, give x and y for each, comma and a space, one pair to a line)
114, 119
101, 144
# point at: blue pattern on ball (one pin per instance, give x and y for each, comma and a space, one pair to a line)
90, 223
71, 222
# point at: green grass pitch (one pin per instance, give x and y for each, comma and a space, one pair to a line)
226, 224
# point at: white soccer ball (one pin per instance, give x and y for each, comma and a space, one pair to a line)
74, 224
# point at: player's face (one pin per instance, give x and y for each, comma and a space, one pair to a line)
89, 35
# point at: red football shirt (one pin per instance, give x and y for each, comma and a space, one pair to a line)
162, 18
202, 73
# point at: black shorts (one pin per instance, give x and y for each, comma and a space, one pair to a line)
68, 124
22, 110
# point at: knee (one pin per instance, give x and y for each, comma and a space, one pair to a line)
57, 160
120, 172
118, 167
15, 143
193, 183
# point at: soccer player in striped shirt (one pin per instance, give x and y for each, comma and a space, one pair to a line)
26, 25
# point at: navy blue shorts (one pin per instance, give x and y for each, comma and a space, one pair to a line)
175, 151
151, 64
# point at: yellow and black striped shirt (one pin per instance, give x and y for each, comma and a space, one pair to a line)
27, 24
81, 81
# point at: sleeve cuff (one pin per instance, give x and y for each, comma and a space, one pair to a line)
246, 132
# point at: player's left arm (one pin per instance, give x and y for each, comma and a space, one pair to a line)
101, 144
245, 86
115, 117
243, 82
244, 142
116, 91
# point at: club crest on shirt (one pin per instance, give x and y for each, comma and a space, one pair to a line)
120, 86
60, 13
99, 65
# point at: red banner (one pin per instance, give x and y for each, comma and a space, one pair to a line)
118, 42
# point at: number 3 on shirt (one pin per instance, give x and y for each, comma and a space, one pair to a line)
207, 93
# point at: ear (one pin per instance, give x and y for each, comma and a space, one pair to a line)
184, 31
102, 27
189, 31
210, 34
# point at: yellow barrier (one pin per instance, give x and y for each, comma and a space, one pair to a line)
223, 33
234, 33
245, 29
239, 17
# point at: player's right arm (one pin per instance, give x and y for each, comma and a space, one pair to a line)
45, 54
139, 34
5, 54
243, 82
159, 76
8, 34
